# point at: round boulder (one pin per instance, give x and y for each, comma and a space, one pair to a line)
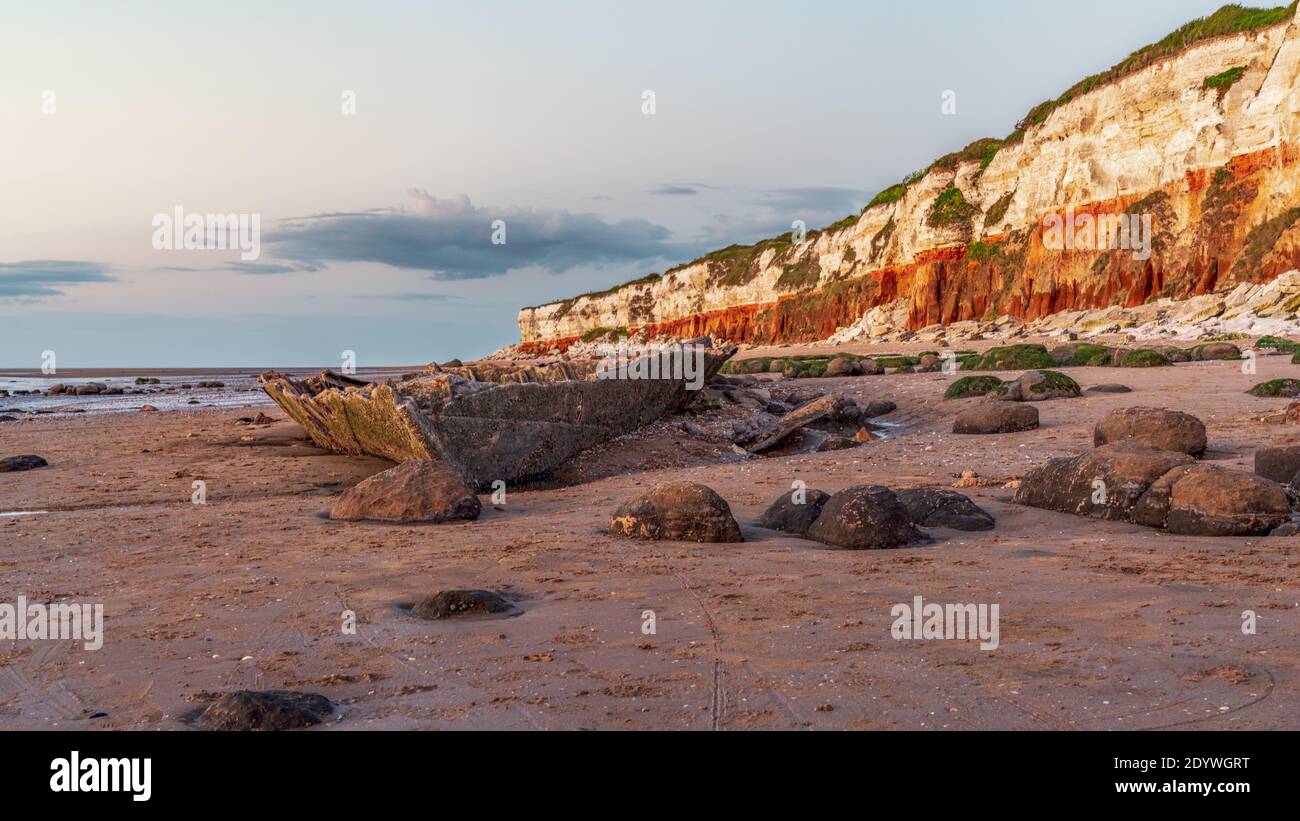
944, 508
265, 710
1036, 386
1154, 427
1279, 464
1215, 350
1211, 501
13, 464
996, 417
840, 366
794, 512
450, 604
677, 512
866, 517
417, 491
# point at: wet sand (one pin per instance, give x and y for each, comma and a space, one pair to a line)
1104, 625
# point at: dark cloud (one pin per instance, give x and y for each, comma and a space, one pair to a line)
44, 278
680, 189
452, 239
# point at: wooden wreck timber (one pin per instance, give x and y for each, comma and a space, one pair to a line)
506, 430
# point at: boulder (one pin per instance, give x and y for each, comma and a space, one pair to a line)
865, 517
1036, 386
1277, 388
1109, 387
450, 604
869, 367
1144, 358
836, 441
840, 366
877, 407
1104, 483
1015, 357
13, 464
1214, 350
794, 517
265, 710
944, 508
1153, 427
677, 512
416, 491
975, 386
1279, 464
996, 417
1206, 500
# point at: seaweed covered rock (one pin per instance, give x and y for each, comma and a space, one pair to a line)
677, 512
1154, 427
1081, 354
1144, 358
969, 386
1016, 358
1274, 388
1037, 386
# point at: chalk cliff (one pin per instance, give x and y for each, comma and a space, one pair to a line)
1202, 136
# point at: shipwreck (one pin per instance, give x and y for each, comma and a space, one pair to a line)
489, 421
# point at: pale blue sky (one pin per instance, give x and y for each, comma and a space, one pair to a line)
467, 112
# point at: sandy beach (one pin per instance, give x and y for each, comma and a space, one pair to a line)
1104, 625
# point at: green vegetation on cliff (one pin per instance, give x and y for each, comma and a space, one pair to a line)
1224, 81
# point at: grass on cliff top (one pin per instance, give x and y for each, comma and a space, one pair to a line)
1230, 19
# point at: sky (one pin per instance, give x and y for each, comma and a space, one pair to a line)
379, 144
